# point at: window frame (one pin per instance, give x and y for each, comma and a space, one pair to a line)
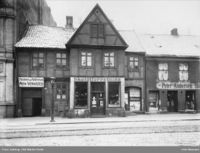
134, 67
38, 58
187, 65
79, 107
119, 95
2, 29
61, 58
86, 59
99, 30
163, 70
114, 57
61, 84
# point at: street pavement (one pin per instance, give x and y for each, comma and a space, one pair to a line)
144, 129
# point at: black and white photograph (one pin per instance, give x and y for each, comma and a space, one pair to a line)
100, 74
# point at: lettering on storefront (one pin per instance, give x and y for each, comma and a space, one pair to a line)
96, 79
31, 82
176, 85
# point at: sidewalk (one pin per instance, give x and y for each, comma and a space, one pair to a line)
29, 121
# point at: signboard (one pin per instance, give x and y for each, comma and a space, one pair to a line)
97, 79
176, 85
31, 82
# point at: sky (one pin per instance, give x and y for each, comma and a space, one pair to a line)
143, 16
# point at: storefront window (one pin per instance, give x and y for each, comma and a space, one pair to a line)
135, 98
163, 71
61, 59
38, 60
114, 94
86, 59
183, 72
61, 91
133, 62
1, 67
109, 59
1, 90
81, 94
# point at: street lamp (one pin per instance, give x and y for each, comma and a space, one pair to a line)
52, 81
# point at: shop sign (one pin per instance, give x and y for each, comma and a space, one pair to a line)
31, 82
96, 79
176, 85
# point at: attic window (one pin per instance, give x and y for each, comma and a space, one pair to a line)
97, 30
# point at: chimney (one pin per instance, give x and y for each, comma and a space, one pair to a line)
69, 22
174, 32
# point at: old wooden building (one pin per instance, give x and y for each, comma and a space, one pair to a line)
15, 16
92, 66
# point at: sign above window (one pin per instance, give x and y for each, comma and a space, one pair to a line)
31, 82
176, 85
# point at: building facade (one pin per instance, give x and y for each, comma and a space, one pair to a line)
91, 67
15, 16
172, 73
99, 70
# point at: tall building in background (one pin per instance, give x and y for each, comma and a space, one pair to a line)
15, 16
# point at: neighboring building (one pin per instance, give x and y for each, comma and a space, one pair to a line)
172, 72
15, 16
134, 73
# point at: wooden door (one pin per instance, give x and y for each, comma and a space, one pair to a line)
27, 107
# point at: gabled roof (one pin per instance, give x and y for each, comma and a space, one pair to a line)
40, 36
134, 44
169, 45
97, 7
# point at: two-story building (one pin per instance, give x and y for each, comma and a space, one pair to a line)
15, 16
172, 72
91, 67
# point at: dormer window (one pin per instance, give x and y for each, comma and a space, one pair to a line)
97, 30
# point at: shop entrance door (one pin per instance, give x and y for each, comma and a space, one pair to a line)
190, 100
153, 101
172, 103
31, 102
97, 98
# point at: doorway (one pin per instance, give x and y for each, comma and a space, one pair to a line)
31, 102
97, 98
190, 100
172, 101
154, 101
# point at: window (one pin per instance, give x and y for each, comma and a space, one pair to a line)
1, 33
1, 67
38, 60
61, 59
114, 99
81, 94
109, 59
61, 91
133, 62
97, 30
86, 59
163, 71
183, 72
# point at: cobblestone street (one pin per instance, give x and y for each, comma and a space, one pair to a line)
139, 130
